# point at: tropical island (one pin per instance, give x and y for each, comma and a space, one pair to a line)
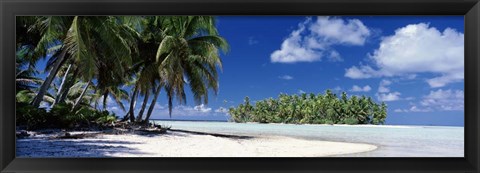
312, 109
72, 70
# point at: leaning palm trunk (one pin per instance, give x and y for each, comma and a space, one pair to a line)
133, 102
68, 86
48, 81
105, 96
152, 105
59, 92
144, 105
77, 102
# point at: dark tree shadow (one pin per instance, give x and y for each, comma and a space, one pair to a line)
41, 147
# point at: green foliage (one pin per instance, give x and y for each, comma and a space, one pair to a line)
311, 109
31, 117
60, 116
106, 119
103, 54
350, 121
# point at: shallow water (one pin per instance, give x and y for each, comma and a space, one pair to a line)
393, 141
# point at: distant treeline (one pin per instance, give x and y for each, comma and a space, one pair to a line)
311, 109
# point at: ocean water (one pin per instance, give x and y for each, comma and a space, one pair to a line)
392, 141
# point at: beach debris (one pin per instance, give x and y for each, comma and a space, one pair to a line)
150, 131
212, 134
22, 134
48, 131
68, 135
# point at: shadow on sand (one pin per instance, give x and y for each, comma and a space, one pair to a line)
212, 134
42, 147
87, 145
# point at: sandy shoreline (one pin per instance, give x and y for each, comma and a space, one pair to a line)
179, 144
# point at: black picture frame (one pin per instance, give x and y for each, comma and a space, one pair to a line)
11, 8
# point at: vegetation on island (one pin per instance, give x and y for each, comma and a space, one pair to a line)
311, 109
93, 58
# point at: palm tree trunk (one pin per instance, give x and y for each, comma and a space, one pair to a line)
68, 85
48, 81
81, 96
131, 111
95, 100
152, 104
144, 105
105, 96
59, 92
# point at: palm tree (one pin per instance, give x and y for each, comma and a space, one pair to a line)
24, 78
95, 57
189, 54
26, 40
146, 79
186, 55
93, 44
327, 108
52, 29
154, 101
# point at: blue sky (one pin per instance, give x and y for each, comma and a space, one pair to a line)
413, 63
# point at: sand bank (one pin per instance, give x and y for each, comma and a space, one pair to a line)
179, 144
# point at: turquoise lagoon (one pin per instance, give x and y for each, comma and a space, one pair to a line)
392, 141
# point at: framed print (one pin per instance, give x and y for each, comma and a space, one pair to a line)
187, 86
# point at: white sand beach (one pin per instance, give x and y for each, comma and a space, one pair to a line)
179, 144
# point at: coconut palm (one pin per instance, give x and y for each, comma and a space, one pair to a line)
146, 73
185, 53
91, 58
24, 77
311, 108
189, 54
92, 44
52, 29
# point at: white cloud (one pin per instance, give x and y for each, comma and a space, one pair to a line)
301, 92
183, 110
339, 31
445, 79
160, 106
383, 86
221, 110
363, 72
439, 100
286, 77
356, 88
337, 89
202, 108
388, 97
180, 110
414, 109
384, 93
114, 108
417, 48
292, 49
335, 56
447, 100
314, 40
